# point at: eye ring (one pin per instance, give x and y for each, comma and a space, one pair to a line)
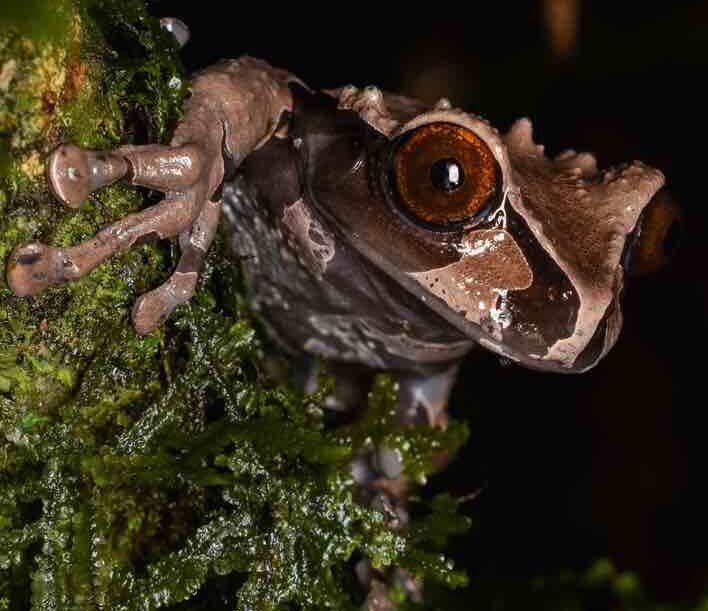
443, 176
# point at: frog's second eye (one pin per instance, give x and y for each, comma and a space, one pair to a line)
444, 174
657, 236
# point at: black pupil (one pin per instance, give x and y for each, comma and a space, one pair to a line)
447, 174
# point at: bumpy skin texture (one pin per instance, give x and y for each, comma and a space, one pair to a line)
336, 266
246, 93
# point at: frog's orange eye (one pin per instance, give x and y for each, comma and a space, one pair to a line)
444, 174
657, 235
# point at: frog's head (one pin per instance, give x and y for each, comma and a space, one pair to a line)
525, 254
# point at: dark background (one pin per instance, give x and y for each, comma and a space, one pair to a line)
611, 463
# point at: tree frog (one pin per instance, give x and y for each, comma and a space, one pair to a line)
373, 229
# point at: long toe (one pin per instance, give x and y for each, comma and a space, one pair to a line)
152, 309
74, 172
32, 268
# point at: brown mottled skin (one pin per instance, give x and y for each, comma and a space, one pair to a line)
535, 278
246, 93
339, 268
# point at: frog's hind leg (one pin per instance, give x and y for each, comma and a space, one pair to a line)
153, 308
423, 398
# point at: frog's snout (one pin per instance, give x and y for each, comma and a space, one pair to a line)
657, 237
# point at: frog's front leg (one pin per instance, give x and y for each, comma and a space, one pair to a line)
234, 107
422, 400
153, 308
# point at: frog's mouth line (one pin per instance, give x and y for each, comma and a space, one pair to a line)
440, 307
590, 223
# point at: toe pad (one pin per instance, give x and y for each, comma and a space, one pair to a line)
74, 172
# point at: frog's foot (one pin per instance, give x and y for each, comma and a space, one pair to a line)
33, 267
422, 400
188, 174
153, 308
234, 107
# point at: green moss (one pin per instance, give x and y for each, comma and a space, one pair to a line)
169, 470
601, 586
74, 85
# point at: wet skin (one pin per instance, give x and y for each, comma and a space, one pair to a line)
375, 230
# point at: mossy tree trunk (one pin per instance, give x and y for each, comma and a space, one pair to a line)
167, 470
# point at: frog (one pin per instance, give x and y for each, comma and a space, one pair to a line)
374, 231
